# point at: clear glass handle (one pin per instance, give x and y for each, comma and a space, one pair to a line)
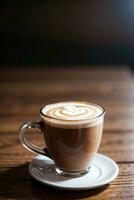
26, 143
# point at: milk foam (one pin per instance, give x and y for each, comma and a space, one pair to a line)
72, 113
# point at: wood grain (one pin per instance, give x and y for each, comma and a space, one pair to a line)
20, 185
23, 92
69, 73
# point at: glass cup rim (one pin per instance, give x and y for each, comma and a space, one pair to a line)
76, 120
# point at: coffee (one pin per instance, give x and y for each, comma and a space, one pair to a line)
72, 141
72, 133
72, 111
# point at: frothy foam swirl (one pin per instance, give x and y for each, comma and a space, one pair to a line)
72, 111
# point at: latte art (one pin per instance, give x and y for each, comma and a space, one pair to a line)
72, 111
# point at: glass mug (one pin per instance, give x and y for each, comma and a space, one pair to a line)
72, 133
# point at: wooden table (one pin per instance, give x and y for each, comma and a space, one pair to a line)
23, 92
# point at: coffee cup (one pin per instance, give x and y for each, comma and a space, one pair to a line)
72, 134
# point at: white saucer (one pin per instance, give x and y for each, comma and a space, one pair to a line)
103, 171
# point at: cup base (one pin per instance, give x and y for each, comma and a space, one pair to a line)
71, 174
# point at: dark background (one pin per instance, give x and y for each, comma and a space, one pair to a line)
64, 32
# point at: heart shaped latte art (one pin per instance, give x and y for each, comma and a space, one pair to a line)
72, 111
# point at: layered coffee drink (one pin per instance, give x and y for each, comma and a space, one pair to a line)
72, 132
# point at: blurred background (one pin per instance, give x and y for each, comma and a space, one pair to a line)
64, 50
67, 32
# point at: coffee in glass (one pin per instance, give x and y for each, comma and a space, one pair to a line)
72, 133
